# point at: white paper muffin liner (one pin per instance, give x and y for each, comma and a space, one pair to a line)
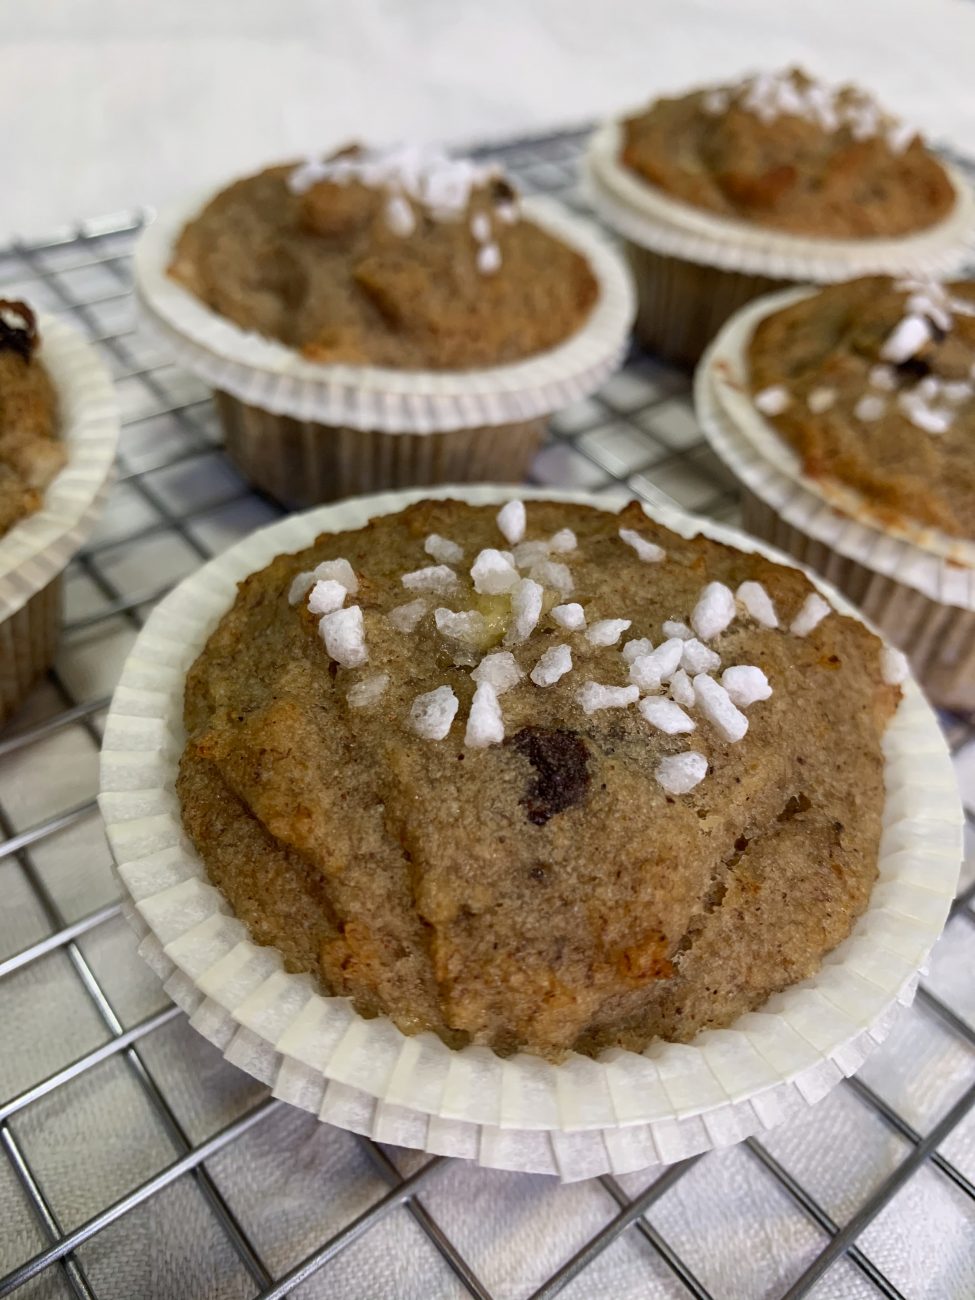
577, 1119
267, 374
652, 219
38, 548
933, 563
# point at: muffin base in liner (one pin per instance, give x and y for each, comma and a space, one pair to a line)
301, 462
694, 269
35, 551
622, 1112
916, 584
267, 374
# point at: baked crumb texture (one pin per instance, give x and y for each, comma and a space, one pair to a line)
403, 258
30, 454
786, 151
544, 778
872, 382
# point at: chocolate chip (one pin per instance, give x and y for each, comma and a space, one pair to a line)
537, 873
18, 328
913, 368
561, 762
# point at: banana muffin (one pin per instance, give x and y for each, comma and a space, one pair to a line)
402, 258
873, 384
550, 779
785, 151
30, 453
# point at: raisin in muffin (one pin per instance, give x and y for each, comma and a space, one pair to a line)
30, 452
551, 779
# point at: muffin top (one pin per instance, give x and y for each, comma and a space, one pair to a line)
402, 258
30, 454
872, 382
784, 151
549, 779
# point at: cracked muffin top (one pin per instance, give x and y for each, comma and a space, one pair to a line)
30, 453
872, 382
785, 151
547, 777
403, 258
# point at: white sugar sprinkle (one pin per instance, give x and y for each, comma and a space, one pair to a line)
528, 553
870, 408
554, 575
368, 691
563, 541
300, 584
481, 227
635, 649
607, 631
554, 663
500, 669
719, 709
772, 401
433, 713
682, 688
399, 216
326, 596
572, 616
467, 626
820, 399
714, 610
594, 697
679, 773
893, 666
648, 672
406, 617
756, 601
437, 577
745, 684
339, 571
672, 627
648, 552
493, 573
814, 610
698, 658
443, 550
345, 637
485, 726
882, 377
488, 259
665, 715
511, 521
526, 609
957, 391
906, 339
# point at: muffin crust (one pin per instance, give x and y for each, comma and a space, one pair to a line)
30, 454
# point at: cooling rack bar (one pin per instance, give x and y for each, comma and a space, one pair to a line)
176, 503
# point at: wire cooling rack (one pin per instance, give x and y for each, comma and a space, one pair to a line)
137, 1163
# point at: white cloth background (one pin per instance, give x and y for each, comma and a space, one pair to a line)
109, 103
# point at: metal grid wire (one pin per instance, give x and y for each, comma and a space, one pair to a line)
88, 1034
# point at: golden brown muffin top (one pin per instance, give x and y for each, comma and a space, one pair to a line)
402, 258
548, 778
872, 382
30, 454
785, 151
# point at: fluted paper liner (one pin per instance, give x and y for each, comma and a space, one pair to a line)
267, 374
35, 550
577, 1119
933, 563
653, 219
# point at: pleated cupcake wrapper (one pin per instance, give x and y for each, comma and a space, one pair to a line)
652, 219
270, 375
38, 548
575, 1119
936, 565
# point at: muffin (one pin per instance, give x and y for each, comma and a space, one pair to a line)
57, 443
550, 784
383, 317
727, 192
862, 397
